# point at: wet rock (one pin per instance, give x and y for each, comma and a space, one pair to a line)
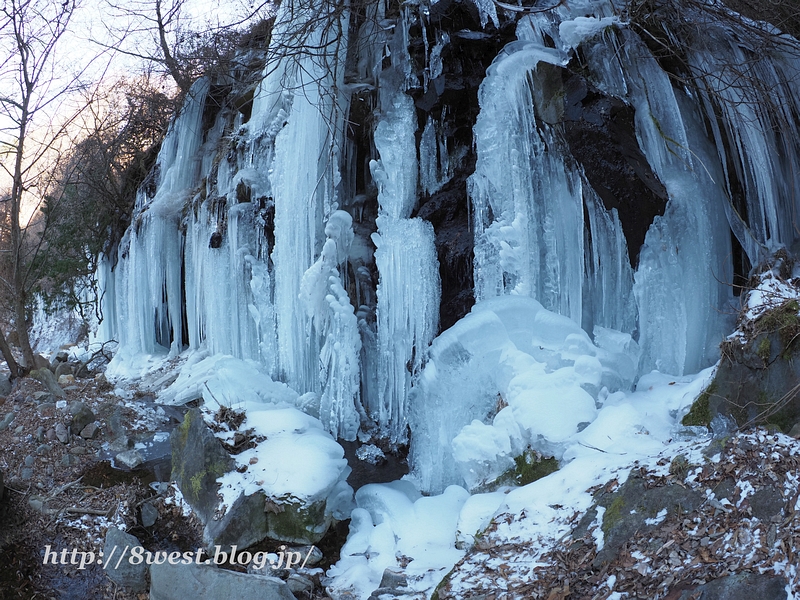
81, 416
46, 377
204, 582
123, 572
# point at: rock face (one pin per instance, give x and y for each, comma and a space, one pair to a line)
758, 379
628, 510
202, 582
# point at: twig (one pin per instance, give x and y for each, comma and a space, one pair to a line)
74, 510
64, 487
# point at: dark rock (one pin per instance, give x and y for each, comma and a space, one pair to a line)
77, 450
742, 586
81, 416
46, 377
5, 386
6, 420
766, 503
149, 514
69, 460
204, 582
393, 579
244, 523
44, 450
63, 368
300, 584
754, 378
601, 134
198, 459
61, 433
90, 431
124, 572
42, 396
619, 525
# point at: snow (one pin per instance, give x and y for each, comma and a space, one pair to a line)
298, 460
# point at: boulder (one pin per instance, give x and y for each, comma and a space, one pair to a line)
63, 368
242, 525
206, 582
198, 459
46, 377
741, 586
81, 416
124, 572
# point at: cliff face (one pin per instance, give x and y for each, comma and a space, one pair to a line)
337, 201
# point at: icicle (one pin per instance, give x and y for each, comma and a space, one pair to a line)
533, 244
330, 313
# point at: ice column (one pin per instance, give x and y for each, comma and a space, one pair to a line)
409, 289
528, 202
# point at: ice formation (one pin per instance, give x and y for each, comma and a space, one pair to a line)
285, 241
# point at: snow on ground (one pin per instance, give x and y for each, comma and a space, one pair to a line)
394, 526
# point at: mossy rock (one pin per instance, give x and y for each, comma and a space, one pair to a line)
529, 467
700, 414
297, 522
198, 459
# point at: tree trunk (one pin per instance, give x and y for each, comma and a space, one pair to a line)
5, 349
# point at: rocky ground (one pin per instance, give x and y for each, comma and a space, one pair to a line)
720, 522
61, 490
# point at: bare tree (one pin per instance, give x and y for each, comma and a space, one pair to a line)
167, 36
35, 119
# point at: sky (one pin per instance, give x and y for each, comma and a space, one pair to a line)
95, 48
